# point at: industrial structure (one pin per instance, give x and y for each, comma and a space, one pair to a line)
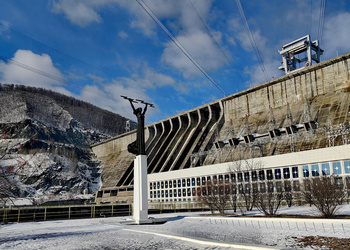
297, 126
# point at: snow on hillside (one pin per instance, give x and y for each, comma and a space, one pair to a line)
45, 176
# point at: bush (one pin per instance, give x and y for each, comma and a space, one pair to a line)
325, 194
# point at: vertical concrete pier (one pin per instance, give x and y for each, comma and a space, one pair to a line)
140, 190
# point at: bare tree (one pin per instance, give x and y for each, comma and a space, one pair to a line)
246, 175
325, 194
214, 194
269, 202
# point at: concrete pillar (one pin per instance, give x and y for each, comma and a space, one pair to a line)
140, 189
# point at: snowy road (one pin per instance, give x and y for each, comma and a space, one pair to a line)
182, 231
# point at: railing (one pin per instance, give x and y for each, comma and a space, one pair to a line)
25, 214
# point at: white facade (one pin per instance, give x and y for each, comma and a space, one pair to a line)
180, 185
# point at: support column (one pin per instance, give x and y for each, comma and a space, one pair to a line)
140, 211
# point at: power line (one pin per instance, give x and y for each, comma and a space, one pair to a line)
251, 38
51, 76
177, 43
209, 32
321, 20
63, 53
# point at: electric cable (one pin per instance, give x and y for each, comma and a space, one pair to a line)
213, 38
63, 53
251, 38
177, 43
321, 20
51, 76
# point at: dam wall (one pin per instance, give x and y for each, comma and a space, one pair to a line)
304, 110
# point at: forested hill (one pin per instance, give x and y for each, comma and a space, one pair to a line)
53, 109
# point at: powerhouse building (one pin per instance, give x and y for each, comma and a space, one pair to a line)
296, 127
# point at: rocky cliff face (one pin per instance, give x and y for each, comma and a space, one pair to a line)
45, 142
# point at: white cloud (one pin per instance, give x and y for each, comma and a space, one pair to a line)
202, 49
336, 34
4, 26
14, 74
122, 34
81, 12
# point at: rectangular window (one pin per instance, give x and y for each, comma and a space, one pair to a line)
174, 184
326, 170
215, 178
296, 186
154, 185
269, 174
166, 194
306, 172
183, 182
262, 187
166, 184
255, 187
261, 175
339, 182
208, 178
347, 167
188, 182
170, 193
188, 192
278, 174
227, 178
315, 170
150, 186
170, 184
158, 194
158, 184
184, 192
203, 181
246, 176
286, 173
295, 172
193, 182
179, 192
154, 194
254, 176
221, 178
233, 177
270, 187
287, 186
162, 184
162, 193
175, 193
240, 177
179, 183
336, 167
151, 194
247, 188
278, 186
198, 181
115, 192
240, 188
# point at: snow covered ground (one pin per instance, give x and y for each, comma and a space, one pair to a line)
182, 231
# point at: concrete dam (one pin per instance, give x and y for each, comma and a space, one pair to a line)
304, 110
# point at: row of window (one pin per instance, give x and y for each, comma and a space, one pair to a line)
258, 175
325, 169
240, 188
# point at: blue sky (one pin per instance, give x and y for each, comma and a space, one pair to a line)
97, 50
